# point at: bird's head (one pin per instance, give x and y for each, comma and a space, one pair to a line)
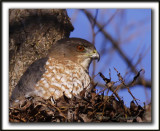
75, 49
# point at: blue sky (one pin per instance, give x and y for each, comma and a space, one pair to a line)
132, 29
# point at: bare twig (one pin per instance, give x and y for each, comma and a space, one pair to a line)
122, 81
117, 47
114, 43
110, 19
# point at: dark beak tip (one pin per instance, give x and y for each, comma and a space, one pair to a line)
98, 57
98, 60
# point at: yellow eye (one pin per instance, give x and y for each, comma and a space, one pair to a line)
80, 48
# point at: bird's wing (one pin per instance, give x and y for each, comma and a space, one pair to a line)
28, 80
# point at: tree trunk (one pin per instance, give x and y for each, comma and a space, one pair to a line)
31, 33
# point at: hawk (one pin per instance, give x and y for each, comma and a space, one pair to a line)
63, 71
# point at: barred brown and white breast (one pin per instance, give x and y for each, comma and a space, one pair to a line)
64, 70
70, 79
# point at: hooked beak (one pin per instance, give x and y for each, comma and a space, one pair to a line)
95, 55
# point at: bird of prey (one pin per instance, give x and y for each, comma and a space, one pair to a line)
65, 70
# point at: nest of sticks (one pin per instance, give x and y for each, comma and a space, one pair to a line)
91, 108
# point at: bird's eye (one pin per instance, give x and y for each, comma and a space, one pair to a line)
80, 48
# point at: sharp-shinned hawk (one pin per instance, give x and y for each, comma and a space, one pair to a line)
64, 70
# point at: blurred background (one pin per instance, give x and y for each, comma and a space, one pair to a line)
123, 39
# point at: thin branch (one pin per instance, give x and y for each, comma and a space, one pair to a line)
114, 43
110, 19
116, 46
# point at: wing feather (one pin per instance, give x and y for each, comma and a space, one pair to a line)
28, 80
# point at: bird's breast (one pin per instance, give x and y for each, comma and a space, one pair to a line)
62, 76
